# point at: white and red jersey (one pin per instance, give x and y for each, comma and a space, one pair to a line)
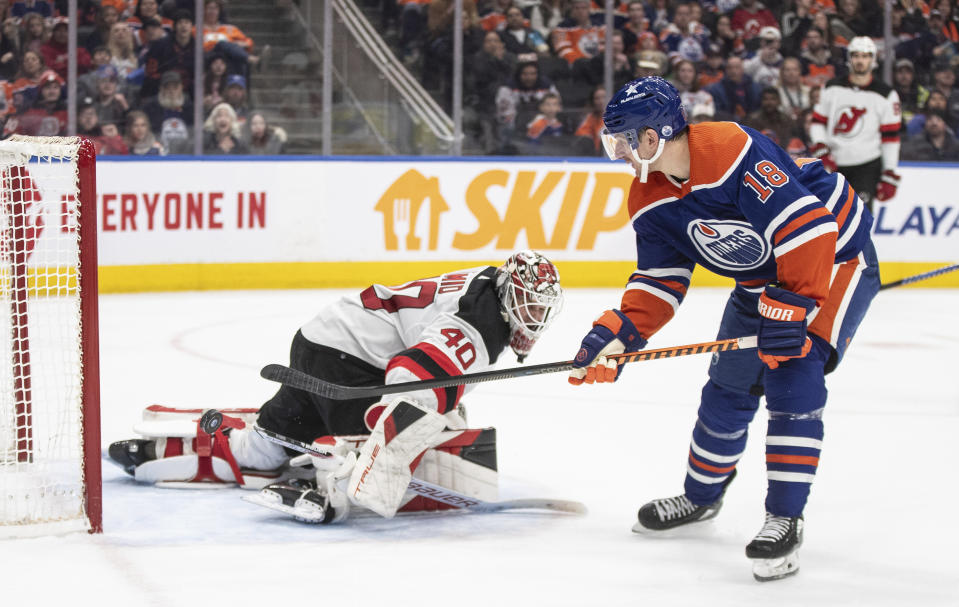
433, 327
858, 124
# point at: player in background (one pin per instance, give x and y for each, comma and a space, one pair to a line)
855, 127
437, 327
796, 240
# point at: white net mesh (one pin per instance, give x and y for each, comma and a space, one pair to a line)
41, 373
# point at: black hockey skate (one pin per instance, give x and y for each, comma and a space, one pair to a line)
775, 549
129, 454
672, 512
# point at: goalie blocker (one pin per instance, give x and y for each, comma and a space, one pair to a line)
173, 452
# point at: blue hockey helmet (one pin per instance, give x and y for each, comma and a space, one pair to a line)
646, 103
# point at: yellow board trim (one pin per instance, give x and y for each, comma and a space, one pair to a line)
317, 275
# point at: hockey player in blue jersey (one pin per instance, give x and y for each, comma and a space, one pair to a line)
796, 239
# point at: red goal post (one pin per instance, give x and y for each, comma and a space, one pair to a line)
49, 360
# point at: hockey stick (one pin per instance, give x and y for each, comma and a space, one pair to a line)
315, 385
918, 277
436, 492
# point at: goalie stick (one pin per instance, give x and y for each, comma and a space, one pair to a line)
436, 492
315, 385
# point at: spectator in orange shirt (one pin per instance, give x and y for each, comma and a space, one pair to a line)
712, 70
27, 83
494, 18
236, 46
578, 37
546, 129
148, 9
587, 142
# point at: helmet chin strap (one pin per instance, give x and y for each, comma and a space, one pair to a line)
644, 164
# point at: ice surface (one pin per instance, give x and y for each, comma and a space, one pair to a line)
880, 524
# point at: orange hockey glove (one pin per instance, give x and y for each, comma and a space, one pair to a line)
612, 333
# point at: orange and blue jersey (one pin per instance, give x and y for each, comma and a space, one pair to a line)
747, 211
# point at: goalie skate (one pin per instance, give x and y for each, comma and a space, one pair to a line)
298, 499
775, 549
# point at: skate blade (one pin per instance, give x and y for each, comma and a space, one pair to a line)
768, 570
274, 502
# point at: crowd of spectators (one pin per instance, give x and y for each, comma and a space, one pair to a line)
534, 68
135, 65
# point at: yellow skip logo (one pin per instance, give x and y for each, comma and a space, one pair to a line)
404, 201
401, 205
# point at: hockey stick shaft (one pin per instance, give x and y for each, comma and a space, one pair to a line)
918, 277
315, 385
433, 491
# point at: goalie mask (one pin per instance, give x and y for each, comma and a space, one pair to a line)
530, 297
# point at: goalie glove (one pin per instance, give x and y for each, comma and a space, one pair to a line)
888, 185
824, 154
782, 325
612, 333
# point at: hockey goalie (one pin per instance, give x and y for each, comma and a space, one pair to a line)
365, 451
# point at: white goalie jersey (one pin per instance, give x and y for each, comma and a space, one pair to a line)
434, 327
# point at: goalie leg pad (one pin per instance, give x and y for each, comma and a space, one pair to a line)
182, 455
386, 460
465, 461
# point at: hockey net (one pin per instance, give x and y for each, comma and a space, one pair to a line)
49, 380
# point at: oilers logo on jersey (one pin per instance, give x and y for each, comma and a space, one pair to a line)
733, 245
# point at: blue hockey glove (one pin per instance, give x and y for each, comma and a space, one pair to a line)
782, 325
612, 333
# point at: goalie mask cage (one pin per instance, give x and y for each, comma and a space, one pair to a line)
49, 376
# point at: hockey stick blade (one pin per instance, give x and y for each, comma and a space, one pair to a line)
315, 385
918, 277
436, 492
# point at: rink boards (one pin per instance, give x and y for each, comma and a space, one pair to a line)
307, 222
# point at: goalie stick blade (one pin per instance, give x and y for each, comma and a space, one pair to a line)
470, 504
567, 506
315, 385
436, 492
